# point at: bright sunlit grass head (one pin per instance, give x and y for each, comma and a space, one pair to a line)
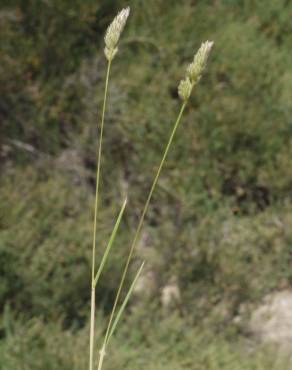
114, 32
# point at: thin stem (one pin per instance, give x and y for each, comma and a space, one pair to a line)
101, 357
98, 169
92, 317
92, 309
137, 233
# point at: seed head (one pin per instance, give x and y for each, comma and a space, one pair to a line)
113, 33
196, 68
194, 71
185, 89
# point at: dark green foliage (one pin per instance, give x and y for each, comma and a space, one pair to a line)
220, 220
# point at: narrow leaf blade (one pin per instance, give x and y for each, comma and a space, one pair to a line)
121, 310
110, 243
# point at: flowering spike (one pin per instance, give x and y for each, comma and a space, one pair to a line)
196, 68
194, 71
113, 33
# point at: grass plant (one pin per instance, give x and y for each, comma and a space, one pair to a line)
111, 39
220, 219
192, 77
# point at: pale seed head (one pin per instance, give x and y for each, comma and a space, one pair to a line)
113, 33
194, 71
196, 68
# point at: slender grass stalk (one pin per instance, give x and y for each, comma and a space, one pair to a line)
192, 77
101, 357
111, 39
141, 221
92, 307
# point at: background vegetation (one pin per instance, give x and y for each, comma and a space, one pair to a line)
220, 223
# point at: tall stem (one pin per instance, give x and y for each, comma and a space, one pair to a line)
92, 319
101, 358
140, 224
92, 308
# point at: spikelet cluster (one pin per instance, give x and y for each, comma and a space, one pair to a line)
194, 70
185, 89
113, 33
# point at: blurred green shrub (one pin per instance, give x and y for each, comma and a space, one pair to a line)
45, 243
41, 347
